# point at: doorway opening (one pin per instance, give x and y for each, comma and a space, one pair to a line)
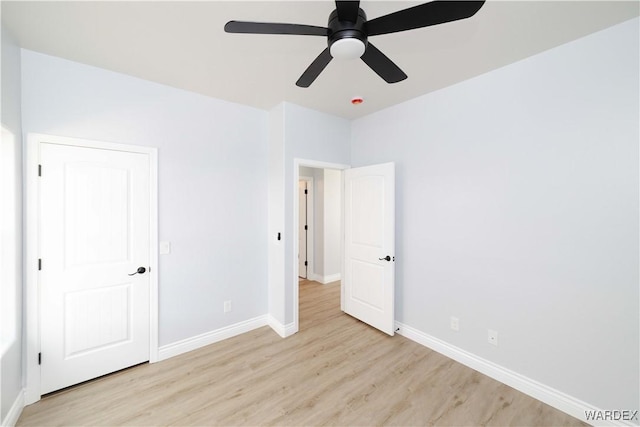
323, 234
366, 222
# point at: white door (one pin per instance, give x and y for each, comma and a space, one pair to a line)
302, 229
94, 227
370, 245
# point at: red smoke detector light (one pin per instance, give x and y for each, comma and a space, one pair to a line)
357, 100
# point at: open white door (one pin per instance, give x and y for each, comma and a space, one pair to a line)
369, 211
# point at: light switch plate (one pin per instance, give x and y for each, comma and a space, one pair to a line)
165, 248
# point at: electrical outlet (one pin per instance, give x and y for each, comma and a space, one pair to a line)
227, 306
455, 323
492, 337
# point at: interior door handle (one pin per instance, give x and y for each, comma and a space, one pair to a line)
140, 270
387, 258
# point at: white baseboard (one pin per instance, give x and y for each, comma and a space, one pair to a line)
314, 277
14, 413
324, 279
552, 397
330, 278
283, 330
193, 343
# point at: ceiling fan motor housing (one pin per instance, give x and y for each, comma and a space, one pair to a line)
339, 30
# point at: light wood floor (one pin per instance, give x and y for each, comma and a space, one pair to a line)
335, 371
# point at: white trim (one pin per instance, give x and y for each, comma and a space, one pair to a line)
331, 278
283, 330
194, 343
310, 224
15, 411
559, 400
316, 278
294, 241
154, 223
30, 262
342, 241
31, 294
325, 279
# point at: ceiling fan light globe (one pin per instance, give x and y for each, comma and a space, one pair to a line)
347, 48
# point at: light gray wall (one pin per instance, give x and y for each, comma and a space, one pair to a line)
11, 363
318, 208
332, 222
517, 210
212, 178
306, 171
318, 220
276, 215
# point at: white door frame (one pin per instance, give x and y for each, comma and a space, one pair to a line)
32, 237
310, 223
296, 218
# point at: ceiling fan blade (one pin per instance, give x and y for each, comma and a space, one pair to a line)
273, 28
382, 65
347, 10
314, 70
424, 15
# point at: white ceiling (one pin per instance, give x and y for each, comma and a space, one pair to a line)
182, 44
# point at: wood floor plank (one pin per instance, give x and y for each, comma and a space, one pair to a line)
335, 371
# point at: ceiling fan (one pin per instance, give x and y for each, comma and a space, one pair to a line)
348, 31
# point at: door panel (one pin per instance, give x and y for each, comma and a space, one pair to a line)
94, 221
368, 211
97, 206
369, 238
96, 319
368, 284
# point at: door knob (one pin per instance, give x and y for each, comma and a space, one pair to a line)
387, 258
140, 270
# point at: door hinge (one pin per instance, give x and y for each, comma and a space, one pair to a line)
306, 227
39, 358
306, 191
39, 263
305, 263
39, 170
